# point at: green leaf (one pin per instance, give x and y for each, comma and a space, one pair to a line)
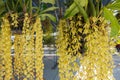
17, 3
49, 9
37, 9
27, 5
117, 0
114, 6
108, 14
92, 8
81, 10
49, 1
2, 9
2, 4
13, 5
71, 11
21, 4
83, 3
43, 17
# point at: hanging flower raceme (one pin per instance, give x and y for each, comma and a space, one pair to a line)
18, 56
29, 51
1, 55
14, 19
28, 48
27, 62
38, 49
64, 59
69, 46
5, 52
97, 61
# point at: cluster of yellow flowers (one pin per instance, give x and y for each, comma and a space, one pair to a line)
6, 60
1, 55
28, 50
39, 66
64, 59
83, 48
18, 56
32, 49
14, 20
97, 61
69, 47
88, 42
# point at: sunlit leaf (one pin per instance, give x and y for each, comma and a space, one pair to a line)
117, 0
49, 9
81, 10
43, 17
71, 11
114, 6
49, 1
113, 21
83, 3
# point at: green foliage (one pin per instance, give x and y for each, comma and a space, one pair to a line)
81, 10
83, 3
117, 0
77, 8
94, 8
71, 11
49, 9
48, 40
25, 6
44, 13
43, 17
49, 1
80, 7
115, 27
18, 5
2, 7
114, 6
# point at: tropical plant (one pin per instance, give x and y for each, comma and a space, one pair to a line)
26, 6
22, 16
91, 24
6, 70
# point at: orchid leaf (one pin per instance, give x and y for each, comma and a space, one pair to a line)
115, 27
